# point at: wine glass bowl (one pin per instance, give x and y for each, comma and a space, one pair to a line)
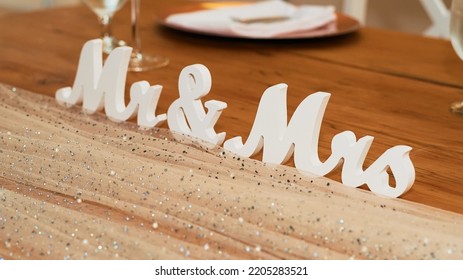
105, 10
456, 37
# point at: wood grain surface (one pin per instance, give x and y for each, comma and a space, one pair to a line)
393, 86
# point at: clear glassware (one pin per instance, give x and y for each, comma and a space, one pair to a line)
140, 61
456, 37
105, 10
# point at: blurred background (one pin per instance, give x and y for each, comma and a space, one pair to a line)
406, 16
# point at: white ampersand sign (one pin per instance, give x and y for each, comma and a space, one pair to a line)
187, 115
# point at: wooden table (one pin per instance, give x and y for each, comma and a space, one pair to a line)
393, 86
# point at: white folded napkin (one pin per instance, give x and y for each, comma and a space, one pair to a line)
229, 20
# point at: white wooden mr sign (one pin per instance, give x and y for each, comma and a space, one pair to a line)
99, 86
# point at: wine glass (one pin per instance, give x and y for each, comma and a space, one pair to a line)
105, 10
141, 62
456, 37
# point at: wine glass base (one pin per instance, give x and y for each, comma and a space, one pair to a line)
141, 62
110, 43
457, 107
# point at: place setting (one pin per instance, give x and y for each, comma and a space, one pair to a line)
265, 20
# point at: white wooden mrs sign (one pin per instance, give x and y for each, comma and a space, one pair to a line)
100, 86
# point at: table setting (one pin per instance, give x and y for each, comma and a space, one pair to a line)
226, 130
262, 20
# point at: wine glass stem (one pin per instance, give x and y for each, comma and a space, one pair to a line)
105, 22
136, 41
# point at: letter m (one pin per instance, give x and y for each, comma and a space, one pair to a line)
280, 139
93, 80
